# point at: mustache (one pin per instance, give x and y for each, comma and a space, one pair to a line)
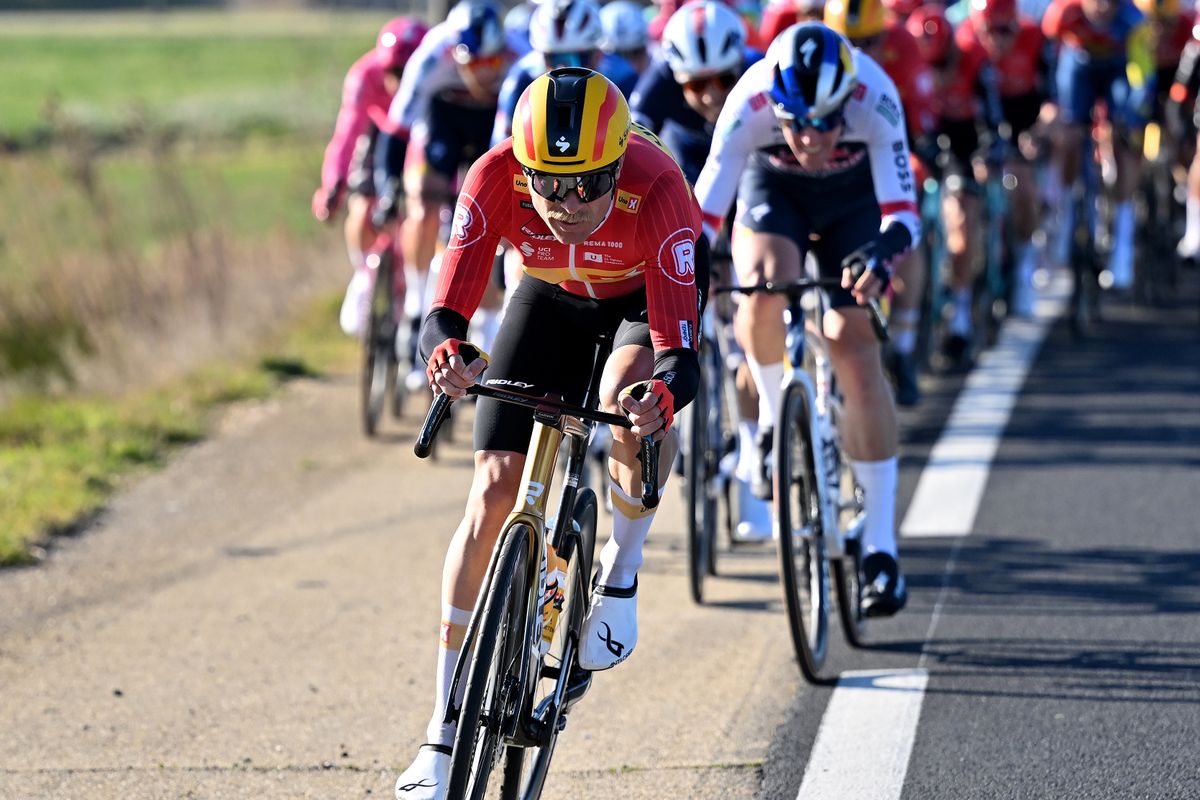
562, 216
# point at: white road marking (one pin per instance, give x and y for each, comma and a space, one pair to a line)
866, 736
952, 483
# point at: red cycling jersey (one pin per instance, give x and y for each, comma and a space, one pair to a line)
1172, 37
900, 58
648, 238
1018, 70
958, 84
365, 100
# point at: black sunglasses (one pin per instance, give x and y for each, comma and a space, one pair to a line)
587, 188
819, 124
722, 80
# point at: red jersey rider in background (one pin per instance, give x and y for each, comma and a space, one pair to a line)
366, 94
1016, 49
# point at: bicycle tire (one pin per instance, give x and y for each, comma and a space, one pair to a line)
495, 649
379, 352
700, 513
848, 584
518, 783
802, 551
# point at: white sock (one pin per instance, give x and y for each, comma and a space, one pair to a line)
903, 329
961, 323
414, 297
878, 481
747, 449
454, 627
1191, 232
621, 556
769, 380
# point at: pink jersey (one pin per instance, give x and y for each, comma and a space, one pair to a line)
365, 102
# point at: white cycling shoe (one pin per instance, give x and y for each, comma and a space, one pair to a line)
755, 524
427, 776
355, 304
609, 631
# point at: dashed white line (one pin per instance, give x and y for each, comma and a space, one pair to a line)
866, 736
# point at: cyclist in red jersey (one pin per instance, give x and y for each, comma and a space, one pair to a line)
866, 24
366, 94
1016, 48
968, 109
783, 14
608, 228
1183, 117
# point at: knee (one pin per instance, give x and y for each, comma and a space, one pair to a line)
857, 360
488, 506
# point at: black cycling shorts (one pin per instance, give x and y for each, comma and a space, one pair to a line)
833, 224
456, 135
1021, 112
546, 344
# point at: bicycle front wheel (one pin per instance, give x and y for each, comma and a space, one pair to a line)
700, 492
526, 768
494, 685
801, 541
378, 343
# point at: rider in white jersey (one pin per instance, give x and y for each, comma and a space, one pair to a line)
812, 143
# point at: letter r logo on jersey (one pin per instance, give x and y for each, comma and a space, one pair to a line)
468, 223
685, 259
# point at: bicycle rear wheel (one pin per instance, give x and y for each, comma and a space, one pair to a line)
700, 492
526, 768
801, 540
379, 349
493, 685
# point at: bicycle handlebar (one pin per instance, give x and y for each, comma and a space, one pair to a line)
795, 289
547, 405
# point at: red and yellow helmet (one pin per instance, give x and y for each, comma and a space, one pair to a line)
855, 19
1158, 9
570, 121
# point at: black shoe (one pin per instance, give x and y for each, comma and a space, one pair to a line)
760, 481
884, 591
904, 373
956, 352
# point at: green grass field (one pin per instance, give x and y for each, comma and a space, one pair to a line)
206, 73
221, 120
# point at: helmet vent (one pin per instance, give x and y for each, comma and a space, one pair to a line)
702, 49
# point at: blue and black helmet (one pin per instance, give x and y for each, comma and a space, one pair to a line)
814, 71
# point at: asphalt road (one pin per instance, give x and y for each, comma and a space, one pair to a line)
259, 619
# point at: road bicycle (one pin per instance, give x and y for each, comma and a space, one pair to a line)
1160, 208
381, 364
522, 677
819, 504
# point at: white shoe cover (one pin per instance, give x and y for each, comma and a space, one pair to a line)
426, 777
609, 631
354, 306
755, 523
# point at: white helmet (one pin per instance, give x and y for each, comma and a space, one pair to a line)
477, 29
516, 21
625, 27
703, 37
565, 26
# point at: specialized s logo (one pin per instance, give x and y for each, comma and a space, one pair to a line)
468, 223
677, 257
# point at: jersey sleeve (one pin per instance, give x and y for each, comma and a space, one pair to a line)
890, 164
484, 204
649, 103
415, 90
733, 142
351, 123
669, 230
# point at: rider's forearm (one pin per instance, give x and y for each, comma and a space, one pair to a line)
679, 368
441, 324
